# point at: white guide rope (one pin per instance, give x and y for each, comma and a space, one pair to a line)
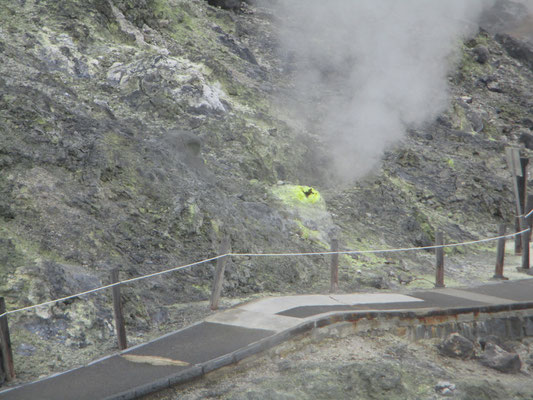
323, 253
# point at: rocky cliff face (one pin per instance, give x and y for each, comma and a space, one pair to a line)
137, 134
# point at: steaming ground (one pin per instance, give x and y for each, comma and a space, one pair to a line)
365, 71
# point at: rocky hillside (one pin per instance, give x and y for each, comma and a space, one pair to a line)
138, 134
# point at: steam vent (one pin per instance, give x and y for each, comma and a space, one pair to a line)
329, 199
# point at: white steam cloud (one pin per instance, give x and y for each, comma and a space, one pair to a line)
365, 70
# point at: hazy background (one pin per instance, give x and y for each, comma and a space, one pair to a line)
365, 70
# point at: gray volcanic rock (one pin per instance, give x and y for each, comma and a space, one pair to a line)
356, 367
457, 346
226, 4
136, 135
503, 16
445, 388
482, 54
520, 49
497, 358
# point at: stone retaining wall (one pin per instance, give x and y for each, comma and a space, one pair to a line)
508, 325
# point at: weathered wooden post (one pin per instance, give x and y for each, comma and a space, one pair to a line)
439, 253
521, 181
517, 238
528, 223
334, 266
7, 353
219, 273
518, 169
528, 210
515, 167
500, 255
117, 307
526, 237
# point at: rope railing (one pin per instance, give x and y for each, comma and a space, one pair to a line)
529, 214
323, 253
98, 289
398, 250
5, 342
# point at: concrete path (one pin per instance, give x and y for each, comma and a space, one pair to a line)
235, 334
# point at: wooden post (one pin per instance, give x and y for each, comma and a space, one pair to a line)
439, 252
515, 167
517, 238
117, 307
219, 273
528, 209
334, 266
7, 353
500, 256
521, 183
526, 236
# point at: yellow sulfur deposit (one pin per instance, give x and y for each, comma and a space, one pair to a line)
297, 195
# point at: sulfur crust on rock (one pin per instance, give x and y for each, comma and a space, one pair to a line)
298, 195
307, 212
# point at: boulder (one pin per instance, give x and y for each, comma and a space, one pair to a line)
491, 339
457, 346
445, 388
497, 358
527, 140
482, 54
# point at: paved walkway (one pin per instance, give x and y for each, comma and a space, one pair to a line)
230, 336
